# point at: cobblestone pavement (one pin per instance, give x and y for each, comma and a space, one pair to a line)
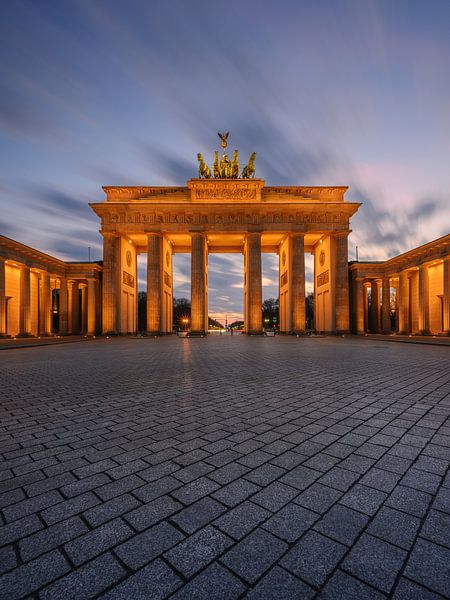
225, 468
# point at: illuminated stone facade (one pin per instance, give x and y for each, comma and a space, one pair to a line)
217, 216
407, 294
41, 295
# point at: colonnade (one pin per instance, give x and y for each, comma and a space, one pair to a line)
31, 297
413, 300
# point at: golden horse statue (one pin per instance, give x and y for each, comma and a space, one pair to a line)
216, 169
235, 165
203, 169
248, 171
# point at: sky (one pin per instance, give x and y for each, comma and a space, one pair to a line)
348, 92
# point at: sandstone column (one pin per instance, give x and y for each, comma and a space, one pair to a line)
366, 307
92, 307
297, 283
359, 305
403, 302
63, 306
2, 297
84, 307
424, 301
46, 305
25, 303
199, 287
75, 308
341, 298
446, 297
254, 284
110, 283
386, 306
154, 283
374, 306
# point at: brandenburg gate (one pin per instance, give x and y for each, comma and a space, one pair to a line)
218, 214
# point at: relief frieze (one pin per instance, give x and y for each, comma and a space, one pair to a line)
226, 218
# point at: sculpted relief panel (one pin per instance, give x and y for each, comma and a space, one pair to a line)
225, 219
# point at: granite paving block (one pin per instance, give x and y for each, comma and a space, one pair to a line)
429, 566
214, 582
198, 515
375, 561
99, 540
342, 524
254, 555
409, 500
153, 582
280, 585
242, 519
148, 545
291, 522
380, 479
313, 558
151, 513
318, 497
396, 527
343, 586
301, 477
195, 490
8, 559
437, 528
265, 474
51, 537
408, 590
68, 508
365, 499
28, 578
110, 509
275, 495
339, 479
198, 550
87, 581
236, 492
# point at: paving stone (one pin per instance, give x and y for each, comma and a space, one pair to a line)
442, 500
228, 473
375, 562
291, 522
31, 505
281, 585
87, 581
437, 528
408, 590
149, 514
110, 509
421, 480
83, 485
31, 576
429, 565
51, 537
274, 496
8, 559
242, 519
409, 500
66, 509
265, 474
126, 484
365, 499
254, 459
288, 460
236, 492
146, 546
154, 490
313, 558
380, 479
97, 541
254, 555
214, 582
301, 477
345, 587
197, 551
395, 527
11, 497
195, 490
153, 582
342, 524
18, 529
193, 472
318, 497
340, 479
198, 515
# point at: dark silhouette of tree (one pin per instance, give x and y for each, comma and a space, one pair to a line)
270, 310
181, 310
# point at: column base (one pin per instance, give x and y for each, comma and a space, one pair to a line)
4, 336
26, 335
256, 332
298, 332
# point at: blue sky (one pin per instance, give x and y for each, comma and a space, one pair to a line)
110, 92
